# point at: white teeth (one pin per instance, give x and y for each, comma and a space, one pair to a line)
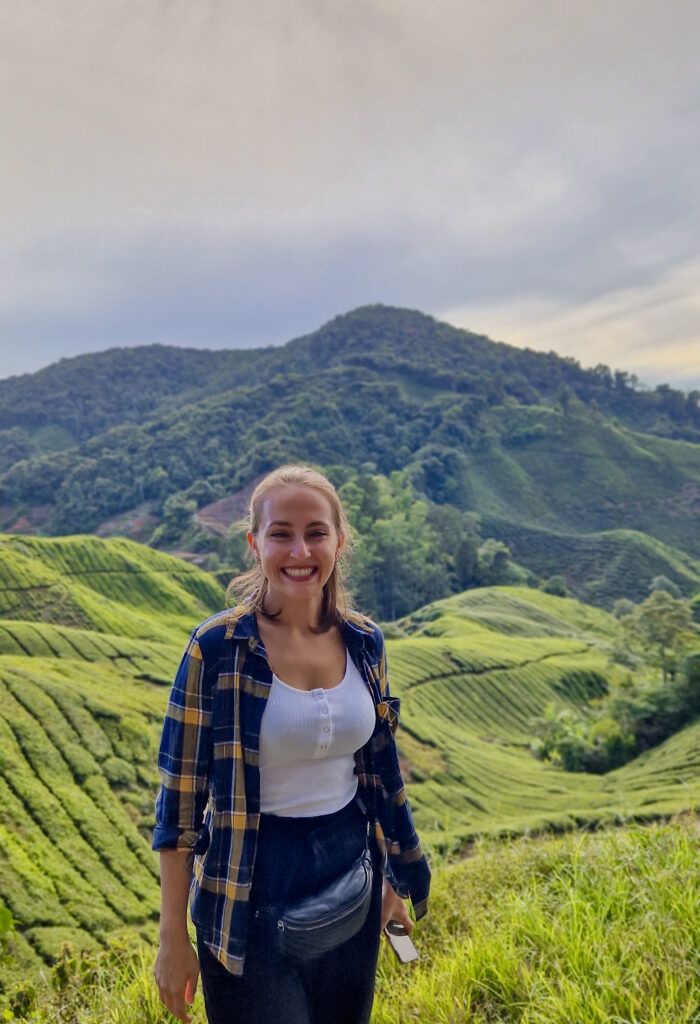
298, 573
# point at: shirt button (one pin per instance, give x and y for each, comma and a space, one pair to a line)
324, 711
318, 695
326, 728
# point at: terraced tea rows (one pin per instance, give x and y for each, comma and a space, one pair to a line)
469, 693
121, 588
79, 722
600, 566
90, 635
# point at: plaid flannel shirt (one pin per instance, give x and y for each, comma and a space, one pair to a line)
209, 800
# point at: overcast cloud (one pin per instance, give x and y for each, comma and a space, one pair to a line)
211, 174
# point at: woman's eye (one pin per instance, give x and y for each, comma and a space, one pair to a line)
314, 533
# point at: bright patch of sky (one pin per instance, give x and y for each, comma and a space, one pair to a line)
212, 174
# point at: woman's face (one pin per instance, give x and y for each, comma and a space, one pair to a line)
296, 542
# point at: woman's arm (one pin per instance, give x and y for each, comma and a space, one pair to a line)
183, 761
176, 968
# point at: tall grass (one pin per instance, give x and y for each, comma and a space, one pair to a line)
582, 929
587, 928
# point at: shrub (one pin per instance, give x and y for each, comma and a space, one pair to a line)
610, 746
7, 927
555, 585
119, 772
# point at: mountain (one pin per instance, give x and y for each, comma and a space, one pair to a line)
88, 394
532, 444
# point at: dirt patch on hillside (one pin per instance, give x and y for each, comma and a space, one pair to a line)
136, 524
684, 503
32, 521
219, 515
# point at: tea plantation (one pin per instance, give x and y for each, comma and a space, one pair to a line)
472, 672
90, 635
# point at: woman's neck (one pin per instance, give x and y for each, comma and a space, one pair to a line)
297, 616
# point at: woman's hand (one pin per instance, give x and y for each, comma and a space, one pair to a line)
176, 971
394, 908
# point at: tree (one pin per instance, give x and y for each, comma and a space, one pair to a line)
564, 396
237, 548
623, 606
493, 562
560, 738
178, 512
660, 625
664, 583
466, 560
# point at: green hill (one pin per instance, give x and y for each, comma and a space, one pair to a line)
529, 442
90, 636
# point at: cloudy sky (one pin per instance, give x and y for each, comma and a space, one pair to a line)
208, 173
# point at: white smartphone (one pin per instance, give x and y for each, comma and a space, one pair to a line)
400, 942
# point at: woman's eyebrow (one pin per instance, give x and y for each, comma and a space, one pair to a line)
282, 522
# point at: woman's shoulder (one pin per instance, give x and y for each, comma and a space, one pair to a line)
367, 627
222, 626
210, 625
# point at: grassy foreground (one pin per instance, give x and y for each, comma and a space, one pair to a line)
582, 929
585, 928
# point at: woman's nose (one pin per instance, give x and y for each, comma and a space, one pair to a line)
300, 549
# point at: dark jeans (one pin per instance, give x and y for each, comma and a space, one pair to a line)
295, 857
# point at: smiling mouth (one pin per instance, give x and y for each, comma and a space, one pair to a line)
299, 574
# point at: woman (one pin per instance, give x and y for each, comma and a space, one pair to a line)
267, 809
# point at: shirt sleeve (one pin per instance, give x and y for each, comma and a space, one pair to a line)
185, 754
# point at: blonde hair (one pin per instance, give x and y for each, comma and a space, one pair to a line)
250, 588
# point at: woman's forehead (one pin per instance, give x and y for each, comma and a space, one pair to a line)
296, 504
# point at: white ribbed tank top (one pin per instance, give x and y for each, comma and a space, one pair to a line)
308, 740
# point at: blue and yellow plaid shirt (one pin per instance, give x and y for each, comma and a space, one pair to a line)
209, 800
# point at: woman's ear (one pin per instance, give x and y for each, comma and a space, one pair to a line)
253, 546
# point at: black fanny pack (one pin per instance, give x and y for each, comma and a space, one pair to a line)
316, 924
